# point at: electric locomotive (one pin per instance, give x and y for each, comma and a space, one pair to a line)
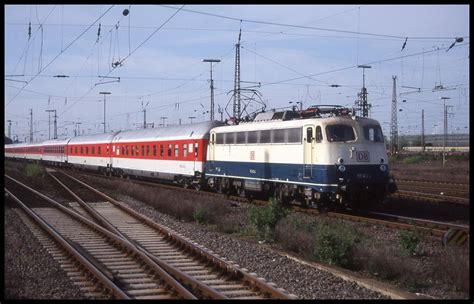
320, 156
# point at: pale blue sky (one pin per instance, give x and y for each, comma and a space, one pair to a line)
327, 41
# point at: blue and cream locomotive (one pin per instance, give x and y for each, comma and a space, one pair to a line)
318, 156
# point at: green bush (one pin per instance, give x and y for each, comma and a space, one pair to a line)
409, 241
334, 243
32, 170
200, 215
264, 219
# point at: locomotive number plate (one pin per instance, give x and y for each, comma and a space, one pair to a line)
362, 156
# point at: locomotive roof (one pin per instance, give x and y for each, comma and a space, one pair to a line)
188, 131
276, 124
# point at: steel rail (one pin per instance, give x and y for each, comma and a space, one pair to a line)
91, 268
202, 253
171, 270
168, 280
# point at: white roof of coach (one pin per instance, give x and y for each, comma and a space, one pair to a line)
188, 131
20, 145
55, 142
93, 139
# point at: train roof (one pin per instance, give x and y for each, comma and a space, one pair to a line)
22, 145
56, 142
188, 131
294, 123
93, 139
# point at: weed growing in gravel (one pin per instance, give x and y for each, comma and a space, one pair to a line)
34, 170
264, 219
452, 267
409, 242
334, 243
200, 216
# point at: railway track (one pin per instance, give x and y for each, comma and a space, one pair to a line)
435, 228
433, 191
194, 267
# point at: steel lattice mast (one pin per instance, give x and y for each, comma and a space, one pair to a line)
394, 123
236, 107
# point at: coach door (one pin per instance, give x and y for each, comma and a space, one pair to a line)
308, 148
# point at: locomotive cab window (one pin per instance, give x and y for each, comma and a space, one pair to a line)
319, 134
373, 133
340, 133
309, 135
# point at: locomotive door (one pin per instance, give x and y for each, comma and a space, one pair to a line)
212, 147
308, 147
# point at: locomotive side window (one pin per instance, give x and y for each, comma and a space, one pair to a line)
294, 135
240, 138
265, 136
278, 136
319, 134
340, 133
219, 138
373, 133
229, 138
309, 135
252, 137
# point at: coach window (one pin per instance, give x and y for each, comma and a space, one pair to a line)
143, 150
81, 150
265, 136
93, 150
185, 150
70, 150
169, 150
161, 151
176, 150
319, 134
123, 150
132, 150
154, 150
294, 135
240, 138
278, 136
87, 150
98, 150
147, 150
75, 148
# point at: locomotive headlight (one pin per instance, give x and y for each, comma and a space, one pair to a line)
340, 160
383, 168
341, 168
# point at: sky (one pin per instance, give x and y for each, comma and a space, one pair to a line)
151, 58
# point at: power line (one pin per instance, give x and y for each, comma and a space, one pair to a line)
302, 26
60, 53
354, 66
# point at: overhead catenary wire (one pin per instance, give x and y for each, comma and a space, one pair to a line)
301, 26
60, 53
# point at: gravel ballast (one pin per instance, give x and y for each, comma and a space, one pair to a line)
30, 271
303, 281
